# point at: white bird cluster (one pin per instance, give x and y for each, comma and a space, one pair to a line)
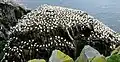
52, 27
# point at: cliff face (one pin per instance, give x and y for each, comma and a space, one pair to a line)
47, 28
9, 15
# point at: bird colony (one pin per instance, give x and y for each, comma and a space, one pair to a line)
48, 28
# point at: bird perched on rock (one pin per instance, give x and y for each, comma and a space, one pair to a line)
48, 28
10, 12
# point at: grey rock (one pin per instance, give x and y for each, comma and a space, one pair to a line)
87, 53
90, 52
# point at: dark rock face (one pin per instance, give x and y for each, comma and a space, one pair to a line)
47, 28
9, 15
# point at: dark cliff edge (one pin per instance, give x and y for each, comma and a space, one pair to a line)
9, 15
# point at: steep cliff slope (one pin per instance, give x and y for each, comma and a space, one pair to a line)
10, 12
48, 27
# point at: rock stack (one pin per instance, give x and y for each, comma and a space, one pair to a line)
48, 28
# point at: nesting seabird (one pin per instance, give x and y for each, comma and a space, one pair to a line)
59, 28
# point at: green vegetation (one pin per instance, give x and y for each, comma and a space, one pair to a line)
114, 58
88, 54
37, 60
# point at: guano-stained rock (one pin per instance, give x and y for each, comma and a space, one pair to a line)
48, 28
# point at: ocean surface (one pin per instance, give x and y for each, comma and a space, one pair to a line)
107, 11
